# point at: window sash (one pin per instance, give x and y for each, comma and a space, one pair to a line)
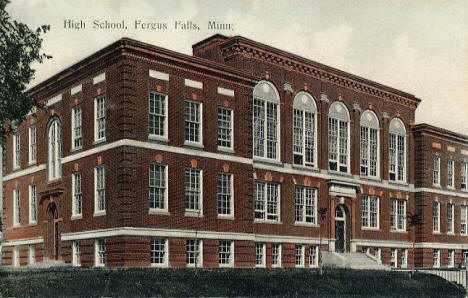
77, 133
313, 256
338, 147
101, 257
157, 106
464, 175
450, 173
193, 252
463, 219
17, 207
266, 129
306, 204
266, 201
158, 251
398, 215
100, 118
54, 150
299, 255
304, 138
225, 127
370, 211
276, 254
397, 157
32, 203
76, 253
16, 150
224, 194
32, 144
100, 189
192, 189
436, 171
259, 254
157, 197
435, 216
225, 253
77, 194
369, 151
450, 216
192, 116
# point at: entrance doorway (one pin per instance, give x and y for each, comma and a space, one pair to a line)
340, 228
52, 239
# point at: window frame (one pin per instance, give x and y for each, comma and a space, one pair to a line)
436, 171
305, 103
265, 200
31, 254
451, 258
32, 139
16, 207
54, 150
189, 142
436, 253
230, 129
464, 176
369, 225
299, 248
450, 218
394, 257
97, 210
230, 244
314, 255
464, 220
165, 209
100, 253
367, 127
303, 190
77, 195
229, 215
165, 258
263, 256
278, 254
100, 118
397, 132
198, 258
75, 138
338, 139
164, 136
436, 216
451, 173
32, 203
188, 211
397, 216
76, 253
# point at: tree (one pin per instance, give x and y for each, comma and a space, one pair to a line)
322, 214
20, 47
414, 220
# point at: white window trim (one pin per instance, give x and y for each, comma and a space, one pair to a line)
451, 182
96, 122
369, 227
164, 137
194, 212
229, 149
453, 220
198, 144
164, 210
451, 258
315, 165
31, 254
436, 171
280, 252
32, 159
55, 172
16, 257
74, 214
377, 165
395, 257
397, 160
302, 265
338, 144
396, 229
31, 221
73, 126
165, 263
231, 203
265, 139
16, 216
75, 261
16, 150
438, 217
231, 256
316, 253
199, 263
98, 212
404, 254
304, 222
97, 260
436, 250
263, 265
265, 195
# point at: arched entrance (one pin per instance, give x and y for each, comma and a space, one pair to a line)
52, 236
340, 228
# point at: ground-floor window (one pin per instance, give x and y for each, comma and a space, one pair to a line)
394, 258
404, 258
16, 258
31, 254
259, 254
313, 256
159, 252
299, 255
226, 253
451, 258
100, 253
76, 253
436, 258
276, 255
194, 250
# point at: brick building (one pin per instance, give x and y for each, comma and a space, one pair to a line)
240, 155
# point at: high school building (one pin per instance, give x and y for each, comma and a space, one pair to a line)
241, 155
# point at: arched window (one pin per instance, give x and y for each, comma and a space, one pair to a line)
370, 141
266, 121
304, 130
397, 151
338, 137
54, 150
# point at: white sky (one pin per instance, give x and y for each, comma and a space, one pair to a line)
420, 47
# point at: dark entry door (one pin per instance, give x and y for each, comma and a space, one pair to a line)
339, 234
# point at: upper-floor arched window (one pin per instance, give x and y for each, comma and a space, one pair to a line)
304, 130
266, 113
54, 164
397, 151
370, 141
338, 138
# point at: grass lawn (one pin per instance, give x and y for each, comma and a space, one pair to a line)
138, 282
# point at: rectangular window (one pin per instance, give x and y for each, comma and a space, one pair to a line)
158, 190
266, 201
32, 144
276, 255
16, 209
313, 257
225, 128
193, 190
436, 258
193, 122
100, 119
463, 219
450, 173
159, 251
99, 190
31, 254
225, 194
369, 151
100, 253
226, 253
464, 174
398, 215
450, 217
397, 157
305, 200
436, 171
394, 258
76, 253
194, 250
16, 151
77, 195
299, 255
404, 258
77, 135
260, 255
370, 211
32, 204
435, 216
157, 122
265, 129
338, 145
304, 137
451, 258
16, 257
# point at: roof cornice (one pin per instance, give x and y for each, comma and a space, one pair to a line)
243, 46
427, 129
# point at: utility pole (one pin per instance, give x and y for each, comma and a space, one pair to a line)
414, 220
322, 215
